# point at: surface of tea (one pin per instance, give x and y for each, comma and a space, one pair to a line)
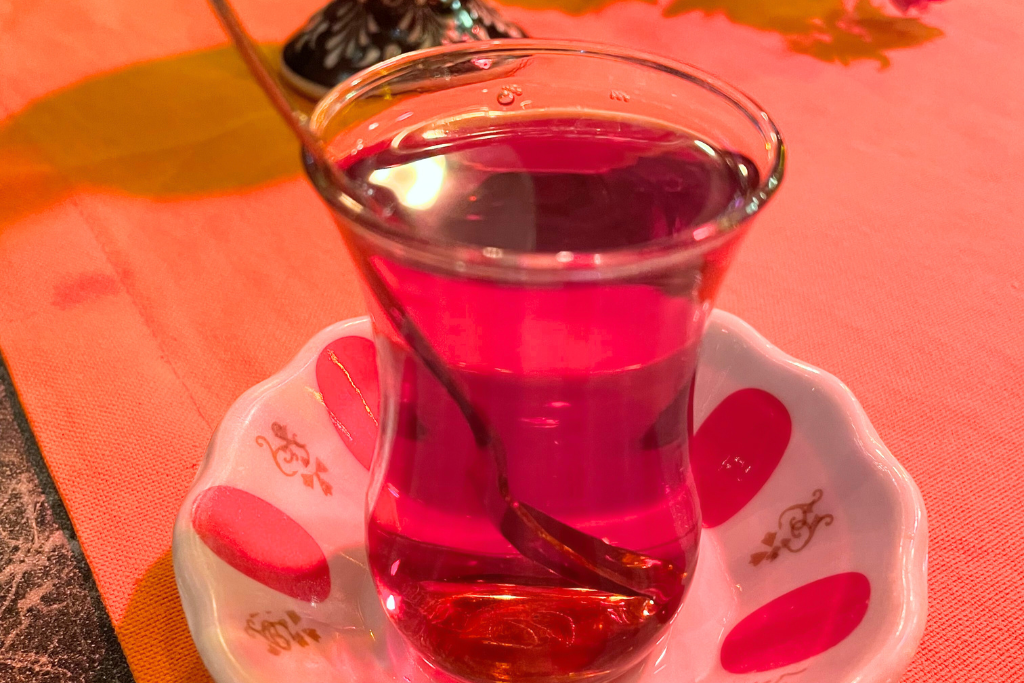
553, 184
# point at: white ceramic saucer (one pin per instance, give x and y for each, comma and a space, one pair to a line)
812, 564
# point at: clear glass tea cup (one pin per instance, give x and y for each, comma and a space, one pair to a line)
541, 228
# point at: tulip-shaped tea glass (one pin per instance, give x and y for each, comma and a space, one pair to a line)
541, 228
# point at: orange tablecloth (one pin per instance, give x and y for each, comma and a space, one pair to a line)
159, 253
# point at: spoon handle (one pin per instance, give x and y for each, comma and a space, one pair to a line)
296, 120
570, 553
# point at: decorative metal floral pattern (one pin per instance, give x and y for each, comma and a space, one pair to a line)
280, 634
292, 457
797, 525
347, 36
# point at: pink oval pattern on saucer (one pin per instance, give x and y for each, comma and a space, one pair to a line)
346, 373
798, 625
262, 542
735, 451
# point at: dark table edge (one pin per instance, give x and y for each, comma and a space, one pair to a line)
113, 661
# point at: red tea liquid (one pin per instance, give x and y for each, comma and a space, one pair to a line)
587, 385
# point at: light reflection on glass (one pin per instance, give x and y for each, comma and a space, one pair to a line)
416, 185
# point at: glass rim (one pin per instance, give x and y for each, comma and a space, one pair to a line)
505, 264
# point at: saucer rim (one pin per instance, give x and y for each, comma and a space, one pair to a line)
893, 660
886, 665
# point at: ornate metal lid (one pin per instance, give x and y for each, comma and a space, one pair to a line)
348, 36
